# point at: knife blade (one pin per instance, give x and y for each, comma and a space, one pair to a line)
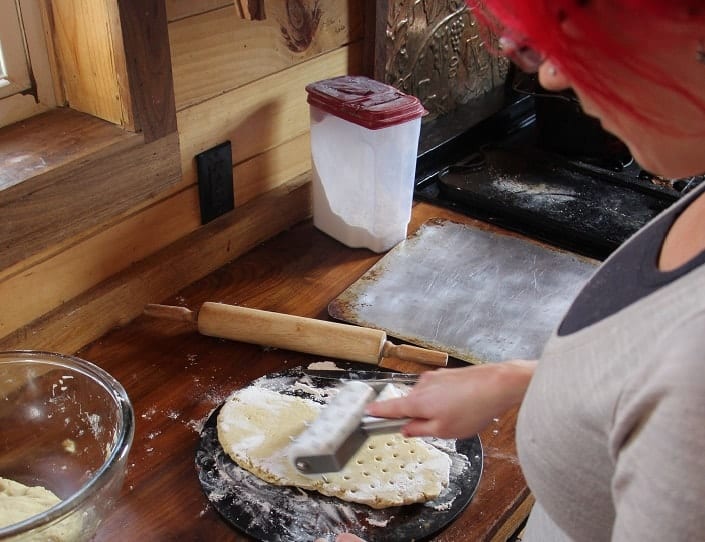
375, 376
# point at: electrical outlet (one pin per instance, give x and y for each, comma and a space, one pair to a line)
215, 181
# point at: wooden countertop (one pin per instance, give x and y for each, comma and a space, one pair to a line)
176, 377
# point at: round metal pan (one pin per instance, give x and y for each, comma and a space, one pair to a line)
286, 514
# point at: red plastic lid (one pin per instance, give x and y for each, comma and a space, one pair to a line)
364, 101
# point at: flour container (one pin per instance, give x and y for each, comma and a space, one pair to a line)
364, 143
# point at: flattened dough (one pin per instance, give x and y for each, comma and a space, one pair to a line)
255, 428
19, 502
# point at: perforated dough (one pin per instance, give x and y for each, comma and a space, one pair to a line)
255, 428
19, 502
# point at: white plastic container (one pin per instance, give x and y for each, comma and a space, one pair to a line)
364, 143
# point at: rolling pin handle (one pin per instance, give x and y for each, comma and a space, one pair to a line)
415, 353
168, 312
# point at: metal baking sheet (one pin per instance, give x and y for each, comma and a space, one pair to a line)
285, 514
479, 295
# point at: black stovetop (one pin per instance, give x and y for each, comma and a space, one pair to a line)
500, 172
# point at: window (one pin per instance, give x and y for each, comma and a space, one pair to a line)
14, 75
26, 86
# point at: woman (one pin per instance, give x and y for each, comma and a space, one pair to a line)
611, 430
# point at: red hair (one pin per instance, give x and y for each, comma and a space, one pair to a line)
589, 52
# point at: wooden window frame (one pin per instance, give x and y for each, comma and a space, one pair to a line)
14, 68
57, 180
33, 91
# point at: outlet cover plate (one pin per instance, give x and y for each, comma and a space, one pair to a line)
215, 181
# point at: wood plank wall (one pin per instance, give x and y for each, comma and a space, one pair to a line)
234, 79
90, 60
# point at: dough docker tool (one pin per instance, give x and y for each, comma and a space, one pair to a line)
341, 428
297, 333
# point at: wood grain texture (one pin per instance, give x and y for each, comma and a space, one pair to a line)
148, 64
375, 30
252, 10
261, 115
114, 62
176, 377
87, 41
31, 149
40, 283
48, 25
218, 51
122, 297
291, 332
271, 168
180, 9
67, 233
513, 525
77, 197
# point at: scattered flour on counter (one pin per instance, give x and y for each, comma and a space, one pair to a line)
214, 398
444, 506
147, 414
197, 425
376, 523
319, 393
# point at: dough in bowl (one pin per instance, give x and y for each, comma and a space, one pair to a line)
256, 426
19, 502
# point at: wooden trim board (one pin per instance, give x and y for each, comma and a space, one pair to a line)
81, 194
114, 62
122, 298
148, 63
41, 283
31, 149
87, 41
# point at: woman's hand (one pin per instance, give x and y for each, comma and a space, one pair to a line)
459, 403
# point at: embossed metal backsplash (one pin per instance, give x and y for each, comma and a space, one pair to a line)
434, 49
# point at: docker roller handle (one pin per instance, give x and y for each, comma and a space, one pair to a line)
297, 333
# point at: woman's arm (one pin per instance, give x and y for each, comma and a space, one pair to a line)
459, 403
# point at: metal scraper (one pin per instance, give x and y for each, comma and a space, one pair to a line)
335, 436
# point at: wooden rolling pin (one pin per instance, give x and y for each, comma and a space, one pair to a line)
296, 333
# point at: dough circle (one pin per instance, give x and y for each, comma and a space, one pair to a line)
256, 426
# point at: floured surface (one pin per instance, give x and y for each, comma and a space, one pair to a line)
479, 295
275, 513
255, 427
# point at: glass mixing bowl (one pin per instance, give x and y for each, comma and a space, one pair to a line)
67, 426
